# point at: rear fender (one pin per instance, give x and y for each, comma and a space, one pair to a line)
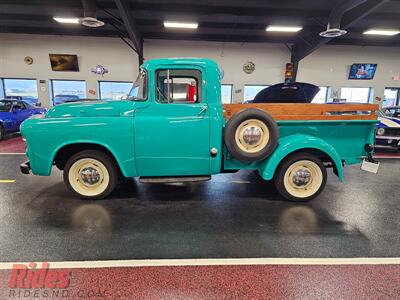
296, 142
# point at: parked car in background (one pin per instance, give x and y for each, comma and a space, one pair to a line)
392, 111
13, 113
59, 99
296, 92
388, 128
30, 99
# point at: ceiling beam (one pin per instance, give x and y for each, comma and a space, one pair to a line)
306, 46
131, 28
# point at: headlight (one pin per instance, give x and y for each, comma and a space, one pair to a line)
380, 131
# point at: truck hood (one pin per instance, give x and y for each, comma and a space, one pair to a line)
88, 109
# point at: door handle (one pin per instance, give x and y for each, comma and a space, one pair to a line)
203, 109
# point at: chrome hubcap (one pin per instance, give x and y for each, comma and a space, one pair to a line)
252, 135
301, 177
90, 176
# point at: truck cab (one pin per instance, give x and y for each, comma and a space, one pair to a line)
174, 133
173, 127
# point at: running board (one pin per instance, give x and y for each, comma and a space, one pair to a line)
163, 179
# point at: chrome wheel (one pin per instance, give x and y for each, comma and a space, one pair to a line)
303, 179
88, 177
252, 135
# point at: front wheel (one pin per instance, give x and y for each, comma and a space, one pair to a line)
2, 133
300, 177
90, 174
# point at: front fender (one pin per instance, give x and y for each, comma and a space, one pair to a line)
46, 136
295, 142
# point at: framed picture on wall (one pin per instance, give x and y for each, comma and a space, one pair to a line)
64, 62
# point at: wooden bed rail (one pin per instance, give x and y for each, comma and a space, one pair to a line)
308, 111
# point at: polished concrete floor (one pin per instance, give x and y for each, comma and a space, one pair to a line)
234, 215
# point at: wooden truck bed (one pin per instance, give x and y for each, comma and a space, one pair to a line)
308, 111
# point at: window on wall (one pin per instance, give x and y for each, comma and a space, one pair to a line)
322, 95
67, 91
391, 97
226, 93
178, 86
250, 91
1, 89
114, 90
359, 95
24, 89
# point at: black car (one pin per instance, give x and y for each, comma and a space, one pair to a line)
296, 92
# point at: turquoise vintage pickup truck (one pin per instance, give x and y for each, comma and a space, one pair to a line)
173, 127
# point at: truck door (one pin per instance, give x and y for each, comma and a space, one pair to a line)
172, 135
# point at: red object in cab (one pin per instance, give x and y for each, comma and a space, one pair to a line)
191, 92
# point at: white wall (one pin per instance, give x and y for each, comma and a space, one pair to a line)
112, 53
270, 59
328, 66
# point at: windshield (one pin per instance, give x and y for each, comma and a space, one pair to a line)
66, 97
392, 112
5, 106
139, 89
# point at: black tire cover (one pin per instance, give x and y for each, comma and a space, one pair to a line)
240, 117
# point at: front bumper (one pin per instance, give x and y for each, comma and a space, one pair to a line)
25, 167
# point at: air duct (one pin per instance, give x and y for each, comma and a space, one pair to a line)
335, 18
89, 11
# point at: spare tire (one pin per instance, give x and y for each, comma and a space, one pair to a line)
251, 135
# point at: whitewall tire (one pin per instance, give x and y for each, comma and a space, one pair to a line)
251, 135
300, 177
91, 174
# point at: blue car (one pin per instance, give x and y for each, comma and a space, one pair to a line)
13, 113
388, 128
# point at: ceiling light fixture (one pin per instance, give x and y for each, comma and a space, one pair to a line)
332, 32
283, 28
67, 20
382, 32
181, 25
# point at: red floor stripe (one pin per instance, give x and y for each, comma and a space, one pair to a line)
12, 145
387, 155
226, 282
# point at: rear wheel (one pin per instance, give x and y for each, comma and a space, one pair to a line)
301, 177
2, 133
91, 174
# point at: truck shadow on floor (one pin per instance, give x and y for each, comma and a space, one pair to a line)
189, 221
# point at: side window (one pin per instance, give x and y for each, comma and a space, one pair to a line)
179, 86
18, 106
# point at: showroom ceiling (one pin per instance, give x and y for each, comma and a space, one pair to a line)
218, 20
